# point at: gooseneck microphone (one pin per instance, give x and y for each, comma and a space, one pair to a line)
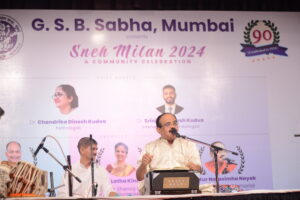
174, 132
41, 145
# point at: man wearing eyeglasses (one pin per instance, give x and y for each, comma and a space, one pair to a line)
167, 152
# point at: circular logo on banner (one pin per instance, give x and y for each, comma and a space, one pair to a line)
262, 37
11, 37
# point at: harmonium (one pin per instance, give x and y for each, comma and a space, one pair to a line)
172, 182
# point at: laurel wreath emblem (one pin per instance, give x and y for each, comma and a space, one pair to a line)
139, 149
272, 26
201, 150
248, 28
242, 165
99, 155
34, 157
254, 23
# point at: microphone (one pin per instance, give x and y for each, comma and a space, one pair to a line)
174, 132
39, 147
297, 135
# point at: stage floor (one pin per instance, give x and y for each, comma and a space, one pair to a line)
250, 195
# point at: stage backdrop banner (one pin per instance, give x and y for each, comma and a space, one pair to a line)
117, 63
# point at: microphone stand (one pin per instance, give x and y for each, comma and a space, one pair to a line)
64, 168
70, 181
51, 190
216, 150
94, 187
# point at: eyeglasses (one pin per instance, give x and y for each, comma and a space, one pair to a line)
168, 124
58, 94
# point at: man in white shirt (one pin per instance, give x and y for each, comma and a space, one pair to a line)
169, 95
167, 152
83, 171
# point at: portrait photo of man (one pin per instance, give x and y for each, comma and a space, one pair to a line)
169, 96
13, 151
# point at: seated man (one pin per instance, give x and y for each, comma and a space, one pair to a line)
13, 152
83, 171
167, 152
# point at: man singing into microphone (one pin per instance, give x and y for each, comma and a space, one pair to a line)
83, 171
168, 151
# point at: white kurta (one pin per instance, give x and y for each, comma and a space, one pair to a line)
84, 189
166, 156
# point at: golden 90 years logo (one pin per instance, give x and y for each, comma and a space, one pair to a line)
262, 37
11, 37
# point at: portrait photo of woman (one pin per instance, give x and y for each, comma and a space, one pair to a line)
65, 99
225, 165
120, 167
